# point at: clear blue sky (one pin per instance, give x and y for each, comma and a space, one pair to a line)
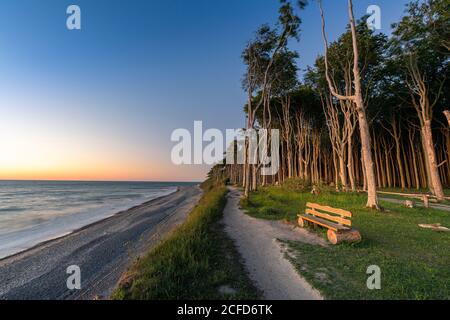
111, 94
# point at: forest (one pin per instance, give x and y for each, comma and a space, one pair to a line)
370, 114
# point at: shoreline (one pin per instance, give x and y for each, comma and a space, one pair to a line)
103, 250
68, 233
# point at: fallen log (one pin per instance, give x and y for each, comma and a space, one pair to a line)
435, 227
349, 236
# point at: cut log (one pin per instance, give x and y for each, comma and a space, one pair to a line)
409, 204
435, 227
344, 236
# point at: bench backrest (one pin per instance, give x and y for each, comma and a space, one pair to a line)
339, 216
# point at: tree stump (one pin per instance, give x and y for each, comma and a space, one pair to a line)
409, 204
349, 236
426, 201
315, 191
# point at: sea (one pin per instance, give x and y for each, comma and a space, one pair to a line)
32, 212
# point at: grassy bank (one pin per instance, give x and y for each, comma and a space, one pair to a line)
414, 262
197, 261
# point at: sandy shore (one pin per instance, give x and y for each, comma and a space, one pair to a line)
102, 250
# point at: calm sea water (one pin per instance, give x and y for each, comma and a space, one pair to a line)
35, 211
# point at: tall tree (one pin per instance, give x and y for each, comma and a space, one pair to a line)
259, 57
418, 46
358, 100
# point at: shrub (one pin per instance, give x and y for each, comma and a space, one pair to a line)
272, 211
297, 185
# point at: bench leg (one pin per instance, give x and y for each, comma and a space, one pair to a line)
301, 222
346, 236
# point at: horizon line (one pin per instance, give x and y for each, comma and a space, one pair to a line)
75, 180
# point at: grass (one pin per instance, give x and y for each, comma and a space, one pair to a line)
415, 262
194, 262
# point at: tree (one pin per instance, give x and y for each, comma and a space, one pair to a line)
259, 57
358, 100
362, 76
418, 46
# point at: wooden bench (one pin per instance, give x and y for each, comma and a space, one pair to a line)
337, 221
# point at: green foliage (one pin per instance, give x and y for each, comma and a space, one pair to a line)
340, 58
267, 56
296, 184
421, 39
193, 262
414, 261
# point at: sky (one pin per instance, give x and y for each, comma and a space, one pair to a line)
101, 103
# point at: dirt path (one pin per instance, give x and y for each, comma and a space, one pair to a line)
263, 254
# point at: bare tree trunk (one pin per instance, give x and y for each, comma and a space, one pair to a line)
424, 107
387, 152
400, 164
286, 130
407, 170
247, 170
336, 178
364, 174
357, 98
426, 162
377, 163
254, 177
395, 132
447, 147
372, 201
447, 115
413, 153
350, 165
342, 172
433, 166
423, 170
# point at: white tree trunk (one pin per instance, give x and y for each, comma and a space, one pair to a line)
447, 115
432, 162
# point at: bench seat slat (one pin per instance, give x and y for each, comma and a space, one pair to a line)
326, 216
342, 213
324, 223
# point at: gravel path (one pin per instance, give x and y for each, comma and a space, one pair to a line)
102, 250
263, 254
